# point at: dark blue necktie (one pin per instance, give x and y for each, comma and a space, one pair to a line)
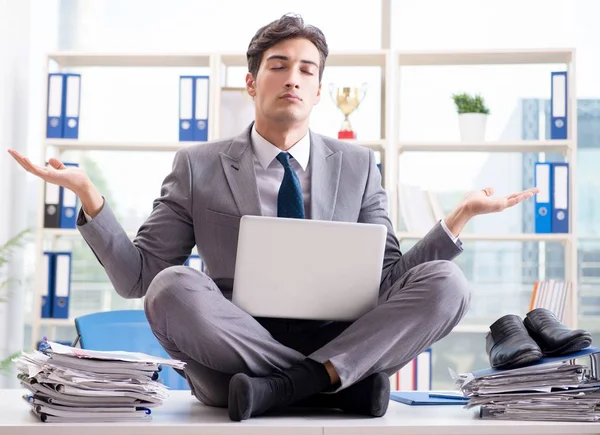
289, 201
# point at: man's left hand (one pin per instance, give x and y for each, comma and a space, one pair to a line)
482, 201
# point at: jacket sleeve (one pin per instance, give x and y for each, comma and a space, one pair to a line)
165, 239
436, 245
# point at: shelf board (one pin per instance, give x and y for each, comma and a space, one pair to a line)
375, 145
84, 145
56, 322
74, 59
472, 328
339, 58
61, 232
533, 237
588, 237
485, 57
522, 146
66, 232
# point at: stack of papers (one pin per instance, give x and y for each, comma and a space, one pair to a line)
75, 385
553, 389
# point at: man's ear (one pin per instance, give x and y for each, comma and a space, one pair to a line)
318, 94
250, 85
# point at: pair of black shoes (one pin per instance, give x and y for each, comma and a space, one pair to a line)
513, 342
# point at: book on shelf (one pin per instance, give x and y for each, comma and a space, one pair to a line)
237, 111
420, 209
554, 295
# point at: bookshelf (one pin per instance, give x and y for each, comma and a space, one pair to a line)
219, 65
567, 148
388, 145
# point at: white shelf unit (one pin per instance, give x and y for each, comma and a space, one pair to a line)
568, 147
218, 63
389, 146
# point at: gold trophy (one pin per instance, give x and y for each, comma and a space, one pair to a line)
347, 100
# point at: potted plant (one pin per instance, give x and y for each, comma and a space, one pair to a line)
472, 116
6, 251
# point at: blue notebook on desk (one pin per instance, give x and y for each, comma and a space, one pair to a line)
591, 350
420, 398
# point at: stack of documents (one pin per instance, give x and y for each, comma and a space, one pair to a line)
553, 389
75, 385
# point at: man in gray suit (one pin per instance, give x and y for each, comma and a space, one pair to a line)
277, 167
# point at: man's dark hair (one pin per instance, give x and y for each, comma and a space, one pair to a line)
286, 27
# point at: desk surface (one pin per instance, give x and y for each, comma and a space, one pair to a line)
183, 414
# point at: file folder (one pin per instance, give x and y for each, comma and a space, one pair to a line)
590, 350
201, 90
543, 199
195, 262
558, 106
68, 205
420, 398
560, 197
423, 372
186, 108
54, 109
406, 377
48, 280
51, 205
72, 100
416, 375
62, 285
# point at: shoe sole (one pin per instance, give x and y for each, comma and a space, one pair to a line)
521, 360
576, 344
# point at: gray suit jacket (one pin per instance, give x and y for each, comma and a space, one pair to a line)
213, 184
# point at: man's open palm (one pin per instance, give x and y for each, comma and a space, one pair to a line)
56, 172
482, 201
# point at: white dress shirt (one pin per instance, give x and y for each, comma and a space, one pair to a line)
269, 174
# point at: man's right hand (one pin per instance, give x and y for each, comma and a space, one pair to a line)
74, 179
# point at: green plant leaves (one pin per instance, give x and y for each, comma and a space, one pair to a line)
7, 363
466, 103
6, 252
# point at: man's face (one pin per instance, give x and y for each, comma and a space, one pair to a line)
287, 84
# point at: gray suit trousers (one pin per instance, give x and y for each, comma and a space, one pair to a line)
195, 323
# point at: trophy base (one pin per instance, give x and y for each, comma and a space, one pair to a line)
346, 134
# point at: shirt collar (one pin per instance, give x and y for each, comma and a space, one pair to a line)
266, 152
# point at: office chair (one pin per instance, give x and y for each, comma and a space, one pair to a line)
126, 330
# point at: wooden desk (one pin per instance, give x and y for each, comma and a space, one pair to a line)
184, 415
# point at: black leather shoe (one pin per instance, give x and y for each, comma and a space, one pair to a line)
553, 337
508, 344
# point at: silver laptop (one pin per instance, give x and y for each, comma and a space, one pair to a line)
308, 269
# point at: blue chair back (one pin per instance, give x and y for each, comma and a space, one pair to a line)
126, 330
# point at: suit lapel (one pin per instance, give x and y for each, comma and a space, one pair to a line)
238, 165
325, 177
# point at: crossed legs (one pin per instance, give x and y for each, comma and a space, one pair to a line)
280, 360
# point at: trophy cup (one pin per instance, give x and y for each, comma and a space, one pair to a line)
347, 100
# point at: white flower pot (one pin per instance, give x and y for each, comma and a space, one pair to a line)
472, 126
